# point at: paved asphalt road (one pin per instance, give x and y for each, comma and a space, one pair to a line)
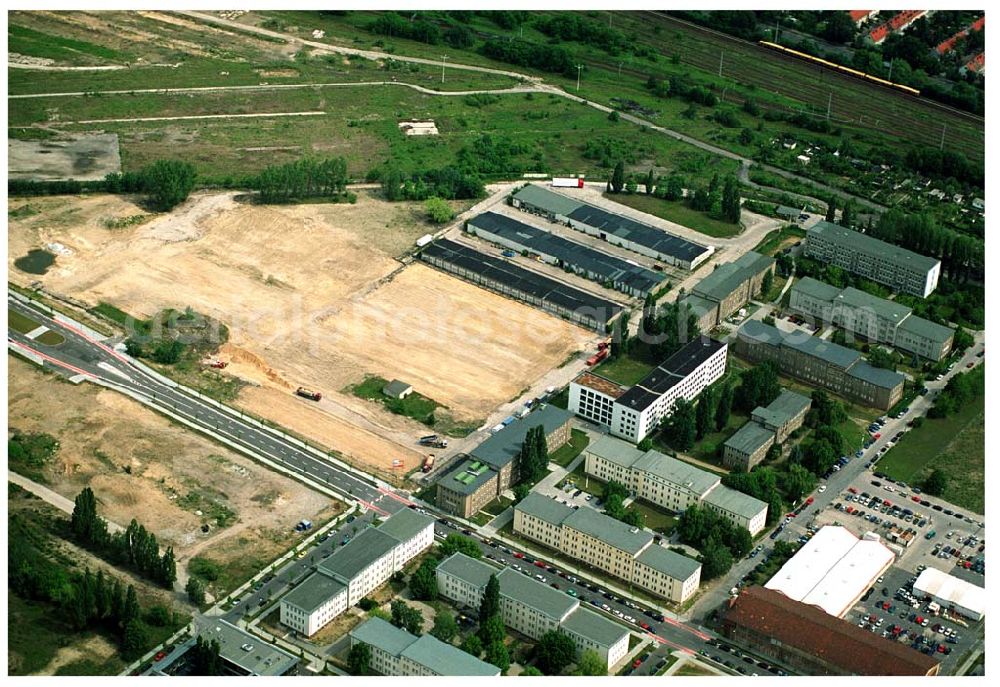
82, 355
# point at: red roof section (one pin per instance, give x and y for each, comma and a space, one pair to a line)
897, 23
838, 642
977, 63
949, 45
858, 15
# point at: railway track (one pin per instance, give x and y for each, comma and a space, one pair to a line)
920, 121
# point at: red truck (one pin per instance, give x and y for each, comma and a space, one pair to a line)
598, 357
428, 464
311, 395
218, 364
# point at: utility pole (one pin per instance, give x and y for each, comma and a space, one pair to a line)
776, 20
890, 70
620, 69
722, 55
444, 58
944, 128
829, 106
579, 67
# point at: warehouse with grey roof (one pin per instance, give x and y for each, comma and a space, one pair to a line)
601, 267
614, 228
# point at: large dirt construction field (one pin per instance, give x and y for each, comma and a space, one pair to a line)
172, 471
313, 295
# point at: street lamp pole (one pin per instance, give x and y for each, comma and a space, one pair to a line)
444, 58
579, 67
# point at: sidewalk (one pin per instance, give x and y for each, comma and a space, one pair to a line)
52, 498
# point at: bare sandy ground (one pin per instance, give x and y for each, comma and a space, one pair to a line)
314, 295
142, 466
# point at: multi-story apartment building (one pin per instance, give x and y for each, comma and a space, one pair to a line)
875, 319
884, 263
634, 413
767, 426
727, 288
821, 363
610, 545
395, 651
494, 465
355, 569
670, 483
532, 608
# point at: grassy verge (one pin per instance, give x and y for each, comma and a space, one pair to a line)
50, 338
564, 455
956, 444
482, 518
497, 506
691, 669
20, 323
677, 212
777, 239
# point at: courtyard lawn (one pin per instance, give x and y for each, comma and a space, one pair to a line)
956, 444
565, 454
655, 518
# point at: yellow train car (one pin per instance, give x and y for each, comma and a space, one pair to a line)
839, 67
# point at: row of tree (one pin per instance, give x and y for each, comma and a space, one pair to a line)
135, 547
88, 601
168, 183
962, 256
448, 182
547, 58
302, 179
534, 457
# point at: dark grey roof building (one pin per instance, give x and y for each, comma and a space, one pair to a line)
626, 276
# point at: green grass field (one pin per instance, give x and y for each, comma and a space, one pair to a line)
655, 518
956, 444
50, 338
415, 405
625, 370
565, 454
774, 240
25, 41
677, 212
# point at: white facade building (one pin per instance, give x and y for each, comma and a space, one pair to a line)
632, 414
951, 592
355, 570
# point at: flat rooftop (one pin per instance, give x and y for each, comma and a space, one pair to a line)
872, 247
598, 383
733, 501
251, 654
534, 285
405, 524
750, 437
531, 238
670, 373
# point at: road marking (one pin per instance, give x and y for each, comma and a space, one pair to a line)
37, 331
396, 496
52, 360
113, 370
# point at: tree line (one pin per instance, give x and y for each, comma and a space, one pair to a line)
88, 601
302, 179
960, 390
135, 547
615, 494
962, 256
168, 183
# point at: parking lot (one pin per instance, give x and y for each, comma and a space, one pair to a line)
891, 611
